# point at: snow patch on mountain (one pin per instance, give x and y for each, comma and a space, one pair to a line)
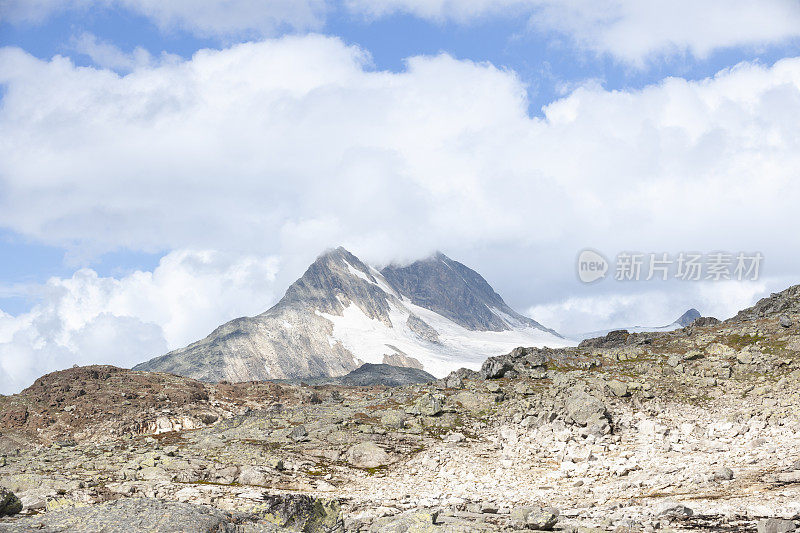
372, 340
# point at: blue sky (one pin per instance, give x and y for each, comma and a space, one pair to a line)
163, 191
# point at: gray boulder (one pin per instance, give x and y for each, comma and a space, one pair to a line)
775, 525
299, 433
368, 455
584, 408
534, 517
722, 474
426, 405
675, 511
618, 388
496, 367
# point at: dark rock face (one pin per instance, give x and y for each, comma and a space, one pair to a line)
369, 375
780, 303
455, 292
705, 321
521, 361
612, 339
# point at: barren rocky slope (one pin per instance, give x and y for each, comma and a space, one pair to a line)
694, 429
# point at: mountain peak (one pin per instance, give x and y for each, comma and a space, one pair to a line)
688, 317
435, 314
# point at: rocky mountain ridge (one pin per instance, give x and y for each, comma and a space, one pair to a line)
435, 314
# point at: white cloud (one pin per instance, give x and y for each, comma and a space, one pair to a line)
87, 319
651, 306
201, 17
106, 55
291, 145
630, 30
295, 144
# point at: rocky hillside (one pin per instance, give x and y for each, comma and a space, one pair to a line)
689, 430
435, 315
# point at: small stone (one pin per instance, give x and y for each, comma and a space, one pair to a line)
299, 433
723, 474
454, 437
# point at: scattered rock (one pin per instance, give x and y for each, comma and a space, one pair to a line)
426, 405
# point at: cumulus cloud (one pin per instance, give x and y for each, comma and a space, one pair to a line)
88, 319
630, 30
287, 146
107, 55
652, 306
295, 144
201, 17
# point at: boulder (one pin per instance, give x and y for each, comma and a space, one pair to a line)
426, 405
368, 455
785, 321
584, 408
9, 503
496, 367
250, 475
300, 512
299, 433
673, 510
722, 474
775, 525
394, 419
534, 517
618, 388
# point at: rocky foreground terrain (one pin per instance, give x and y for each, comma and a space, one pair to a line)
694, 429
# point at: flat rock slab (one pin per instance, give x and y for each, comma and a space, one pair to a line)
137, 514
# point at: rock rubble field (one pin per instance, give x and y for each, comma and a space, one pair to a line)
696, 429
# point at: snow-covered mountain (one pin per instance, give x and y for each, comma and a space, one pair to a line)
682, 321
435, 314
